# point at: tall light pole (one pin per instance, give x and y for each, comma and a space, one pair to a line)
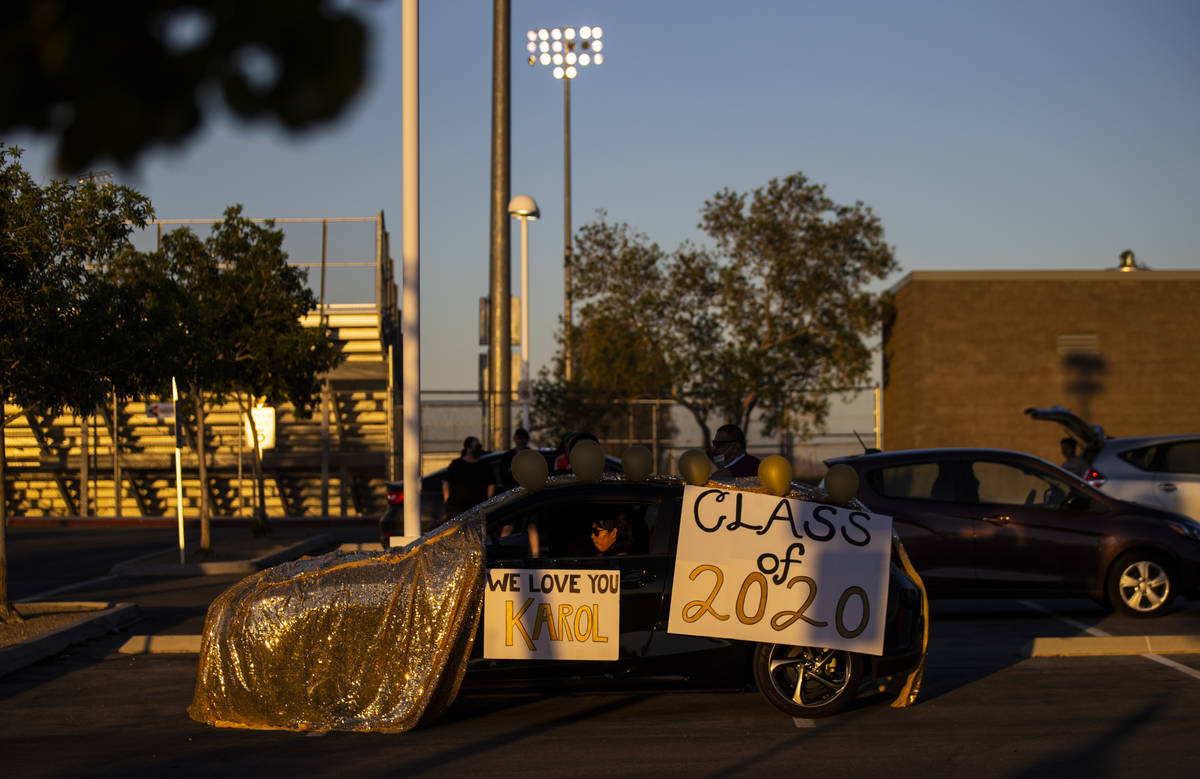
566, 49
410, 309
499, 384
524, 208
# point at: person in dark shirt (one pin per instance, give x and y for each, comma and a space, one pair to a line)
729, 452
520, 441
1072, 460
468, 481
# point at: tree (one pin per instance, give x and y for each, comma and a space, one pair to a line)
795, 264
108, 84
263, 351
764, 323
177, 294
638, 300
59, 348
237, 306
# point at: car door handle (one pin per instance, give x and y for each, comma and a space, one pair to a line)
1167, 486
999, 519
636, 580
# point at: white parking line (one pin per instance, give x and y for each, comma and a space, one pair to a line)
1192, 672
1091, 631
77, 585
65, 588
1094, 631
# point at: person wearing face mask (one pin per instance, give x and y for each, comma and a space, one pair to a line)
729, 452
468, 481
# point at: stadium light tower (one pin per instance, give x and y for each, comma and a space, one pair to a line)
567, 50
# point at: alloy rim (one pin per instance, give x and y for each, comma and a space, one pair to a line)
1144, 586
810, 677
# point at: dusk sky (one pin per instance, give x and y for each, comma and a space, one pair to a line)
999, 135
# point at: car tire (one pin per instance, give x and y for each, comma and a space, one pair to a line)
807, 682
1141, 584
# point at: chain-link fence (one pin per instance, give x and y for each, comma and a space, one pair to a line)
663, 426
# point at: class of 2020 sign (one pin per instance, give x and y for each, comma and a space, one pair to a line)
756, 567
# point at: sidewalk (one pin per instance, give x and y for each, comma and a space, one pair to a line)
53, 625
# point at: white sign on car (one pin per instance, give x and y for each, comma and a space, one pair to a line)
756, 567
552, 614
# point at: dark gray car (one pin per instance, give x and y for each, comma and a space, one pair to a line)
997, 523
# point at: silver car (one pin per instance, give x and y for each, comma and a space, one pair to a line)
1158, 470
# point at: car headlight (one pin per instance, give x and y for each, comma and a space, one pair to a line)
1185, 527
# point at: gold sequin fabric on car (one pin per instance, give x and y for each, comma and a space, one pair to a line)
345, 641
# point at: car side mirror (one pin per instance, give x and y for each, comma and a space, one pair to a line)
1077, 502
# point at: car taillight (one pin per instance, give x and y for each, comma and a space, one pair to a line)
1094, 478
395, 497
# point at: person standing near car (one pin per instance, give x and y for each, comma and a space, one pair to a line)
520, 441
468, 481
1072, 460
729, 452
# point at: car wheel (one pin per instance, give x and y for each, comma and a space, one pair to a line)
807, 681
1141, 584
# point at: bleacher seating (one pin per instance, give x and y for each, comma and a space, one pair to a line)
45, 456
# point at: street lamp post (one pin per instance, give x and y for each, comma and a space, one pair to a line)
524, 208
566, 49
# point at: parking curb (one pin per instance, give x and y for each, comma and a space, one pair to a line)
106, 618
1082, 646
161, 645
139, 567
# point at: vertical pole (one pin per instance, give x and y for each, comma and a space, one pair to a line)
324, 319
241, 439
878, 418
525, 321
116, 457
500, 341
94, 466
178, 468
390, 407
567, 353
324, 247
654, 434
325, 449
410, 348
84, 502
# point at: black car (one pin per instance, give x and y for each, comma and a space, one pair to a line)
433, 507
383, 641
997, 523
801, 681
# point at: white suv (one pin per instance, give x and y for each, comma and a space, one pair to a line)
1157, 470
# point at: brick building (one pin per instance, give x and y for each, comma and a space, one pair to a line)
966, 352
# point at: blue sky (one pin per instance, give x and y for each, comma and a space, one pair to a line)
999, 135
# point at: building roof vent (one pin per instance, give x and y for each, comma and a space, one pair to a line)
1129, 262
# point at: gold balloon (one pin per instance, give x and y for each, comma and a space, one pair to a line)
775, 474
587, 460
694, 466
841, 482
637, 462
529, 469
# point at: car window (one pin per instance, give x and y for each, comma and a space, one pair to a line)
1141, 458
1183, 457
920, 481
563, 527
665, 529
1004, 483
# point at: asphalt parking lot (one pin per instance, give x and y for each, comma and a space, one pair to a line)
990, 706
